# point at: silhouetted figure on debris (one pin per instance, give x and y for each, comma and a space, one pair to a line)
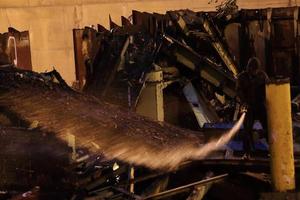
251, 95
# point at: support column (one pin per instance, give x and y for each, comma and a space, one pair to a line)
150, 102
131, 179
278, 99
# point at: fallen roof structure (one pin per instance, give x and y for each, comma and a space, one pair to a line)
50, 104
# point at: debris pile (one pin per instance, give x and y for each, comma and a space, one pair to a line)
205, 49
184, 45
57, 115
182, 57
98, 126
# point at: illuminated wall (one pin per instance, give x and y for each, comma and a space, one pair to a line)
50, 22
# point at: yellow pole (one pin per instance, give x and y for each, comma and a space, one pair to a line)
278, 101
131, 179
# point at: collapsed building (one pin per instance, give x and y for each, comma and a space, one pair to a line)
179, 68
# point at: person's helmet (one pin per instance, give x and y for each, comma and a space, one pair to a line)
253, 65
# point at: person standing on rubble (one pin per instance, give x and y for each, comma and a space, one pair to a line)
251, 95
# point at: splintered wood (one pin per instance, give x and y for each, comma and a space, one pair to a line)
101, 127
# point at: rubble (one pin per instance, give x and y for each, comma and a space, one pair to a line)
118, 63
99, 126
32, 158
60, 120
207, 48
193, 57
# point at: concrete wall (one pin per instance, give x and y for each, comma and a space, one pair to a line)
50, 22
